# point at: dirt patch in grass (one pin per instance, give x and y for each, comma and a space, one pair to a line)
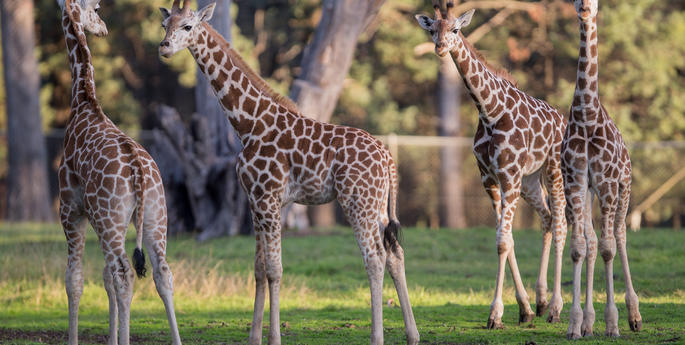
58, 337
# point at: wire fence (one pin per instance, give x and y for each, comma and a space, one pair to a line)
658, 188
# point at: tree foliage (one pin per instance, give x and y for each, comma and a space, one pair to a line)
389, 87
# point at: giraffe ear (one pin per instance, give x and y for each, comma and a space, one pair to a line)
465, 19
424, 21
165, 12
205, 14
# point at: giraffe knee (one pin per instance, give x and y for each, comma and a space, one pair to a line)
163, 278
504, 246
607, 248
578, 248
74, 280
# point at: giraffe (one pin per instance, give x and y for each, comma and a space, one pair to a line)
517, 147
595, 163
288, 158
107, 178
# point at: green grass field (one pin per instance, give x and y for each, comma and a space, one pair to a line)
325, 297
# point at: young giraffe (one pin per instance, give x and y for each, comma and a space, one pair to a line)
517, 144
291, 158
107, 178
595, 162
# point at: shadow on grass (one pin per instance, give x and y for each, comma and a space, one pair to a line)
447, 324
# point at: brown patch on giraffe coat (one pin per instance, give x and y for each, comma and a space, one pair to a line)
582, 83
593, 70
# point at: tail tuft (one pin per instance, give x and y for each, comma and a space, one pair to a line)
139, 262
391, 235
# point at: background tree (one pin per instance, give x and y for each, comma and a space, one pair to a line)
27, 183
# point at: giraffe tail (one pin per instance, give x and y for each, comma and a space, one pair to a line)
139, 187
393, 230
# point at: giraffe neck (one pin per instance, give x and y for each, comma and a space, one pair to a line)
82, 72
242, 93
486, 88
586, 95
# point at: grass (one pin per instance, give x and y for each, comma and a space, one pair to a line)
325, 297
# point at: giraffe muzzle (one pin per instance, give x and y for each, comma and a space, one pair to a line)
165, 49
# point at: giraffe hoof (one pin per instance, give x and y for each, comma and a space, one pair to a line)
553, 318
525, 318
612, 333
572, 336
495, 324
635, 325
587, 332
541, 308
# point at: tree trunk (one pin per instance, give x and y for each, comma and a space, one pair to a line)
449, 99
28, 192
198, 163
326, 61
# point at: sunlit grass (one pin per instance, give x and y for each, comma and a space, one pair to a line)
324, 296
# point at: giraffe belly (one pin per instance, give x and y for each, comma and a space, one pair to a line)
311, 192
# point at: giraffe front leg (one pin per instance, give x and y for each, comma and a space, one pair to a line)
607, 248
576, 194
267, 224
74, 230
555, 185
497, 306
260, 290
591, 240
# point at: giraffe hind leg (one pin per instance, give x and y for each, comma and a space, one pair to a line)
113, 310
395, 266
370, 241
162, 276
119, 268
531, 191
632, 303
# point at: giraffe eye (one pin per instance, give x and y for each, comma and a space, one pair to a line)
455, 31
187, 28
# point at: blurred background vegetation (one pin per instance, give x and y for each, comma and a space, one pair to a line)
390, 87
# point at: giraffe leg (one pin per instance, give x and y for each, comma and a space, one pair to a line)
591, 240
260, 289
505, 250
607, 248
267, 224
395, 265
632, 303
119, 267
75, 231
497, 307
576, 193
112, 296
370, 243
531, 191
162, 276
557, 202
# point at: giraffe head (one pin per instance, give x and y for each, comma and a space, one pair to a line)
586, 9
444, 29
181, 25
87, 10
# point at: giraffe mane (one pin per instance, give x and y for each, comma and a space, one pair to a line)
84, 52
497, 71
251, 75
